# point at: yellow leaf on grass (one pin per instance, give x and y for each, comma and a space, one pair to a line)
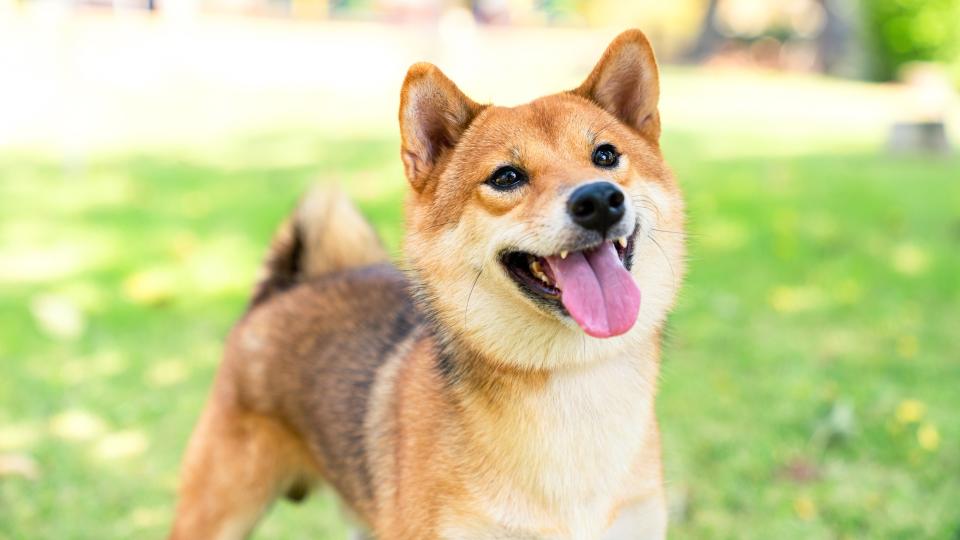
910, 259
805, 508
848, 291
183, 245
785, 299
929, 437
151, 286
167, 372
907, 346
910, 411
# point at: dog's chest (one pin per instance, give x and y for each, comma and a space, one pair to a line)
570, 458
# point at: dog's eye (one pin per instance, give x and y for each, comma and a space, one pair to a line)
506, 178
606, 156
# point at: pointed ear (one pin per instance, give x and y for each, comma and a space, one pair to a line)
434, 113
626, 83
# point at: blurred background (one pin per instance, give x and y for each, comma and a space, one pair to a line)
148, 148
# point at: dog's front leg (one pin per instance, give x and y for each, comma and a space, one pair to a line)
357, 534
643, 520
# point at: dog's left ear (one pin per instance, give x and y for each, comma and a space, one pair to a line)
434, 113
626, 83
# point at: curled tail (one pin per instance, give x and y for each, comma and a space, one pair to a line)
326, 233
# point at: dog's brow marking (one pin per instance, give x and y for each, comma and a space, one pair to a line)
596, 133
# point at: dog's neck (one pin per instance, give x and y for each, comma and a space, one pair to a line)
565, 439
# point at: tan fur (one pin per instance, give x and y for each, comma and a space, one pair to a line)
335, 239
237, 463
445, 403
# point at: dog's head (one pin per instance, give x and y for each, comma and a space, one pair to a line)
532, 231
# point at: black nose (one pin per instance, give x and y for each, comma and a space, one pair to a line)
597, 206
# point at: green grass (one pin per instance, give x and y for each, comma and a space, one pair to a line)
811, 379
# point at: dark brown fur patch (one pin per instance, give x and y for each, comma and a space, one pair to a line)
326, 340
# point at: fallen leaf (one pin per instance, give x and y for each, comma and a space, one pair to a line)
20, 465
800, 471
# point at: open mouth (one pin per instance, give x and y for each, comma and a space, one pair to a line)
593, 285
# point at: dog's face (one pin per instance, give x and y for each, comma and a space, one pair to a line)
535, 230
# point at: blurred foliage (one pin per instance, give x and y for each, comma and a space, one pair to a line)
903, 31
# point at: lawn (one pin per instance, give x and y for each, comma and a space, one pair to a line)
811, 378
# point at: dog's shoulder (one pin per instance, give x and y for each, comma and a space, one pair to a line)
311, 355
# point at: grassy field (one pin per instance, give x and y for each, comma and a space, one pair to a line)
811, 380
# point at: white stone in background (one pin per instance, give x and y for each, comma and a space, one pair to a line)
919, 137
929, 96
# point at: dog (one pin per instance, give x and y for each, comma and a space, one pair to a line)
502, 385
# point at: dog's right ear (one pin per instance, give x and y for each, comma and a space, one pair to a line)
434, 113
626, 83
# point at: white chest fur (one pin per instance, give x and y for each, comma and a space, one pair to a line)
562, 456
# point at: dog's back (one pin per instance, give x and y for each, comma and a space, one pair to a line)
299, 367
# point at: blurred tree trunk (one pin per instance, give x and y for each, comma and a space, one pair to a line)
709, 38
832, 41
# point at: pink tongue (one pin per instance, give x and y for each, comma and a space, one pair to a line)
597, 290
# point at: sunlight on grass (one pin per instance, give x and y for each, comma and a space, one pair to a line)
848, 291
77, 425
19, 436
23, 261
143, 518
99, 365
908, 346
167, 372
787, 299
222, 266
57, 316
722, 234
121, 445
910, 259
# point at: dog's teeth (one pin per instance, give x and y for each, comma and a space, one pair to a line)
622, 241
537, 271
563, 254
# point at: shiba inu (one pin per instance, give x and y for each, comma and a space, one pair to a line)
503, 385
